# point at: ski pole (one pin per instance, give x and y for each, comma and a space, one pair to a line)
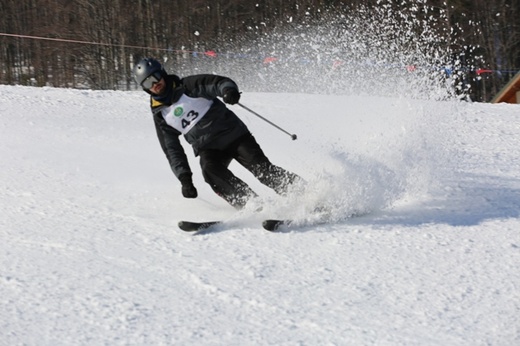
293, 136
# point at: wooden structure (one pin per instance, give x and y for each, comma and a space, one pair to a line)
510, 93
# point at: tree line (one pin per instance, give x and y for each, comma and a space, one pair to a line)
95, 43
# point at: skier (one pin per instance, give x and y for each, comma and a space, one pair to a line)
189, 106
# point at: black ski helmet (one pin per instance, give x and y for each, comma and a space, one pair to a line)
145, 68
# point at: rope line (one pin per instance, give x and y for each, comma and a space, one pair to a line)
91, 42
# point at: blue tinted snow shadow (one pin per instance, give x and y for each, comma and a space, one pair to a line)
467, 202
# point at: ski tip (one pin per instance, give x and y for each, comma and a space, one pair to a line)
182, 224
189, 226
186, 226
272, 225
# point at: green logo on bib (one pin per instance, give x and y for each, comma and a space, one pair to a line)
178, 111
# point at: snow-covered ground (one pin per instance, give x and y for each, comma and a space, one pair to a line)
90, 253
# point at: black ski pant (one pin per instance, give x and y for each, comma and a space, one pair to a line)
247, 152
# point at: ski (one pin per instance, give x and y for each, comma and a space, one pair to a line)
188, 226
268, 224
273, 224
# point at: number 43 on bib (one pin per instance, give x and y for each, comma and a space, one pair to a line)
186, 112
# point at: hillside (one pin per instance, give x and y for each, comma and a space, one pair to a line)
90, 252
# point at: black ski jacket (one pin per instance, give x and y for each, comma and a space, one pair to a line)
216, 130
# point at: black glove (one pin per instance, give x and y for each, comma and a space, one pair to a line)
188, 190
231, 96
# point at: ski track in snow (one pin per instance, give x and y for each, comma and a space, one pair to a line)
91, 255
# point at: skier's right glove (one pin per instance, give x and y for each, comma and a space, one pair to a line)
188, 190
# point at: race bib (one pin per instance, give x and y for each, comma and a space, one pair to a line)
186, 112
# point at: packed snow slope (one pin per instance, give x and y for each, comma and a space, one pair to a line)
90, 253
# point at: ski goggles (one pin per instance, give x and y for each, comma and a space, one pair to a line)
151, 80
